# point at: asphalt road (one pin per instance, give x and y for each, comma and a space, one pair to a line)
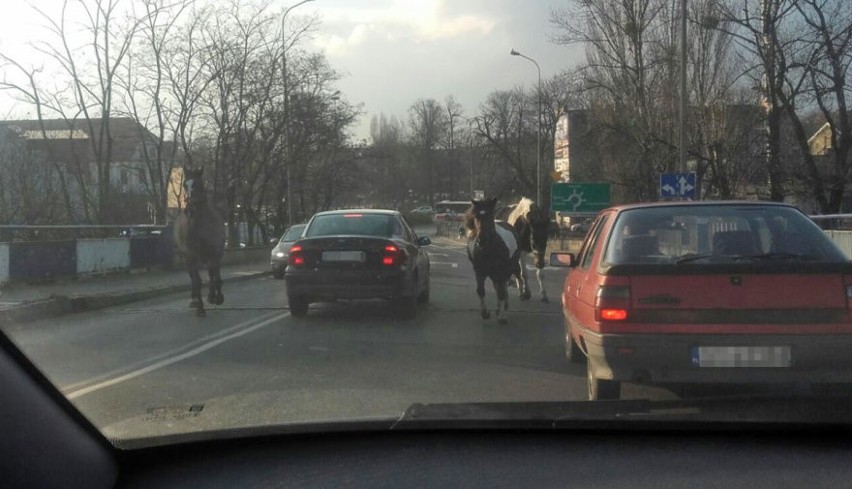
153, 368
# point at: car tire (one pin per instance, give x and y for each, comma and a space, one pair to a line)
573, 353
277, 275
601, 389
423, 298
298, 305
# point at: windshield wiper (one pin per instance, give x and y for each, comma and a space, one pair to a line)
783, 256
689, 258
764, 256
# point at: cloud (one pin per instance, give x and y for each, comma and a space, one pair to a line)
401, 20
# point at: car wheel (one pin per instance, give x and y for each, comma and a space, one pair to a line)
277, 275
572, 351
601, 389
298, 305
423, 298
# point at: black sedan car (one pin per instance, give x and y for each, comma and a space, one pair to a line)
358, 254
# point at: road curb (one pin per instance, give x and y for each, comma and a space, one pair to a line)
60, 305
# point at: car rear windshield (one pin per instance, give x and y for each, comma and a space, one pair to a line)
700, 234
293, 233
359, 224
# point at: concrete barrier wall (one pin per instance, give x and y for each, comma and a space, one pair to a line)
41, 260
34, 261
102, 255
4, 262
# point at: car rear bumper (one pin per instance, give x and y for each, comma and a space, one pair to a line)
362, 284
671, 358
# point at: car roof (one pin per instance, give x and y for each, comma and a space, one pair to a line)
385, 212
702, 203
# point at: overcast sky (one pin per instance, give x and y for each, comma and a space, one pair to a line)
393, 52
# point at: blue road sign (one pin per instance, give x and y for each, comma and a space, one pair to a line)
677, 185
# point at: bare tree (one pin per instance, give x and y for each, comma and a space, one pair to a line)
428, 124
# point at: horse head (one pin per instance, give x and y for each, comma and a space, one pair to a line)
193, 187
479, 219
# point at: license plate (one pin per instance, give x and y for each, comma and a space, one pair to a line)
741, 356
348, 256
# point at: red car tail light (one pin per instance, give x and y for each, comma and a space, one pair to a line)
612, 303
296, 257
392, 256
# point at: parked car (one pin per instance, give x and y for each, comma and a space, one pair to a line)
582, 226
423, 209
281, 252
701, 292
358, 254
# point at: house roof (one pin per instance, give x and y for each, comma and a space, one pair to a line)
54, 134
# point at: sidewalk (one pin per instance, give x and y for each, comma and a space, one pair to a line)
24, 302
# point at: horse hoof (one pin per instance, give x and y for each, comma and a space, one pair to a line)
526, 296
545, 300
502, 321
486, 315
194, 303
200, 313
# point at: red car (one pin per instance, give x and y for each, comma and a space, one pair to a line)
707, 292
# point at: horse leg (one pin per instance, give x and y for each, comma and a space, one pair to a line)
500, 287
480, 291
215, 295
195, 277
521, 274
539, 274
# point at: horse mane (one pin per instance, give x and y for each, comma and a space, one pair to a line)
522, 208
469, 223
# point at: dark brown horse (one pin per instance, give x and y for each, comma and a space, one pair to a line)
200, 239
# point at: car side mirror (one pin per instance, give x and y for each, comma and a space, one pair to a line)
424, 241
273, 241
563, 259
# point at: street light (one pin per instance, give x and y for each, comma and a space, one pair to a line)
538, 141
287, 107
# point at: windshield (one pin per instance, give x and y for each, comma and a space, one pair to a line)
677, 235
353, 224
293, 233
152, 153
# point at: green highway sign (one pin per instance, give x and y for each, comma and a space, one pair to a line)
579, 198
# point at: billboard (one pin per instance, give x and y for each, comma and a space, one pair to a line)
561, 156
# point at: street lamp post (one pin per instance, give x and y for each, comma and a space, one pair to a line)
287, 108
538, 140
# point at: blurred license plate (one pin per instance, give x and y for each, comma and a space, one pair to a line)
356, 256
741, 356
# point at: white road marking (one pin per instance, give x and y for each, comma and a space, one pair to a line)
450, 263
241, 331
439, 254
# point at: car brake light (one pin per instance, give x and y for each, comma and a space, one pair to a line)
296, 257
353, 215
392, 256
613, 314
612, 303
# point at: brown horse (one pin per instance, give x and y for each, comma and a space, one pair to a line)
200, 239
